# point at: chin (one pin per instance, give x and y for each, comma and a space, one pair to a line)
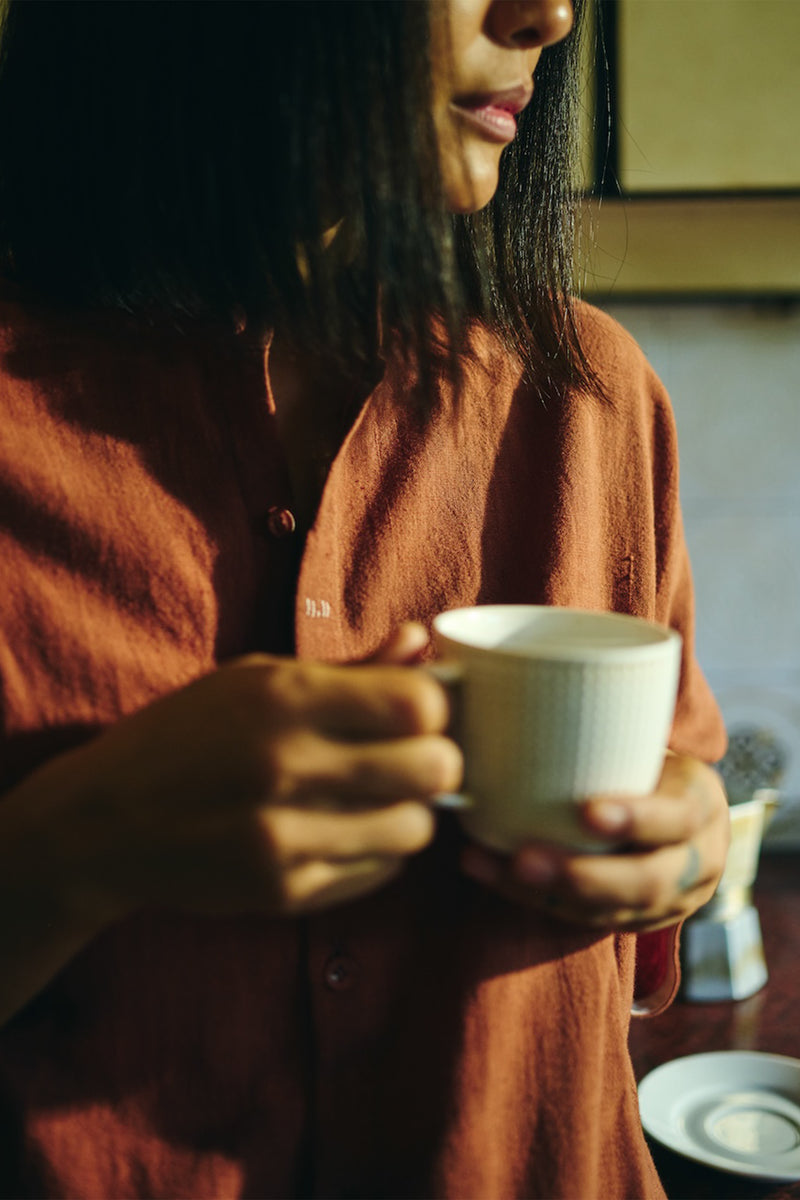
471, 182
471, 197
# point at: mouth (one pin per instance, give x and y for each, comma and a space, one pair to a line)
494, 113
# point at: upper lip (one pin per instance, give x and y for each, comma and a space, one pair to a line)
512, 99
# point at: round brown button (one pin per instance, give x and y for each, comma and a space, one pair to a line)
340, 973
280, 521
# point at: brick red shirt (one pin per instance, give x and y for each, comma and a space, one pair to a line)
430, 1040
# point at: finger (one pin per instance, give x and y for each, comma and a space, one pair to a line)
688, 797
380, 772
663, 884
405, 646
644, 882
301, 835
625, 891
364, 701
317, 885
565, 904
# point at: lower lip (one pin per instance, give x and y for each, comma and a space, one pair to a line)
496, 124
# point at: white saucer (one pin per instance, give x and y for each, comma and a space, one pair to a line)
733, 1110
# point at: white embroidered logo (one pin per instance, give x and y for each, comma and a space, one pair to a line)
317, 608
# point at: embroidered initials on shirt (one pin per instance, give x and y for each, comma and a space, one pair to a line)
317, 608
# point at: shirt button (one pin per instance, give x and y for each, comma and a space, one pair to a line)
280, 521
340, 973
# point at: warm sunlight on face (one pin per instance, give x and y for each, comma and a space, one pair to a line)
484, 53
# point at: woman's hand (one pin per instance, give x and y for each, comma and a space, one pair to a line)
267, 786
270, 785
674, 847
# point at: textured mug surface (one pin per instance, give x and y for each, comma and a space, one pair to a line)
556, 705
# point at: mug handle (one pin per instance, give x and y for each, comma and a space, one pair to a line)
450, 675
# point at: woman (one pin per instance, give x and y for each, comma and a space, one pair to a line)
287, 369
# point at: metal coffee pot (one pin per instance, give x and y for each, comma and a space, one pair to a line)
722, 953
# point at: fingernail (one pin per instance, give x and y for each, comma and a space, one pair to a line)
531, 866
610, 816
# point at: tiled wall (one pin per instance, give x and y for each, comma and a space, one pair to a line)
733, 372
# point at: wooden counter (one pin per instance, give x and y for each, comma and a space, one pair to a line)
768, 1021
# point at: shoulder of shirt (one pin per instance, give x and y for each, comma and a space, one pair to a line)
613, 352
628, 382
617, 359
609, 347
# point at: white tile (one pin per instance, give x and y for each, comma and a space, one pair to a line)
733, 373
747, 584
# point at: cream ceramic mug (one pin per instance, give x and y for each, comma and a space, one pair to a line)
554, 705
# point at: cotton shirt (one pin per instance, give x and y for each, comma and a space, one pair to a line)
432, 1039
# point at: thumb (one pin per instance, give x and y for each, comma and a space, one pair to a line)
404, 647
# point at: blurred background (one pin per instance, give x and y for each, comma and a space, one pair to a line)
691, 238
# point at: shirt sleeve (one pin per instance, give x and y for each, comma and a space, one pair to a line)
698, 729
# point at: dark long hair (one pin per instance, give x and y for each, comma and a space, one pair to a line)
181, 159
